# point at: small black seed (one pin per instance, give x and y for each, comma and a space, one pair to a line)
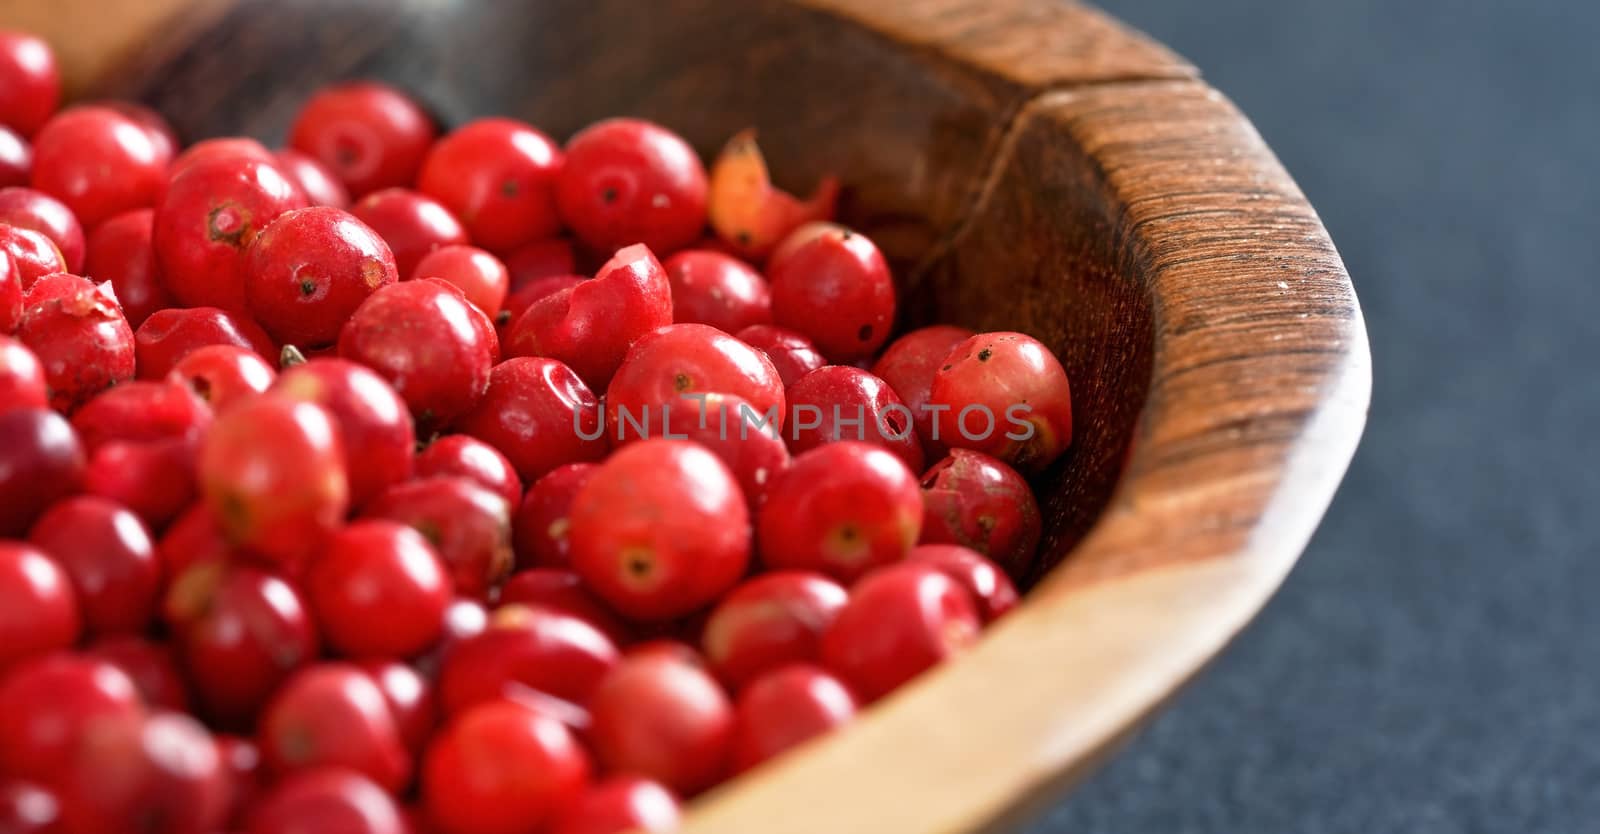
983, 355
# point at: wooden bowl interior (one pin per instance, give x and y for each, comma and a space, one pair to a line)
915, 136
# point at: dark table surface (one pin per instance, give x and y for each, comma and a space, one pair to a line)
1433, 663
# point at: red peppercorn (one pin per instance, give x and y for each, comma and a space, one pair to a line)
559, 589
108, 553
480, 276
786, 708
309, 269
770, 621
632, 181
370, 135
167, 336
716, 289
47, 702
410, 699
98, 162
326, 799
322, 188
152, 666
141, 412
30, 82
738, 433
468, 526
379, 590
900, 621
1004, 394
36, 210
518, 302
33, 254
22, 383
660, 530
499, 176
468, 457
591, 325
836, 289
221, 147
41, 460
661, 717
841, 509
908, 365
791, 353
620, 805
240, 632
989, 586
667, 369
374, 426
154, 124
501, 768
121, 251
162, 769
550, 651
153, 479
412, 223
838, 402
974, 500
272, 470
38, 608
429, 342
194, 538
16, 161
539, 414
540, 259
80, 337
223, 375
333, 714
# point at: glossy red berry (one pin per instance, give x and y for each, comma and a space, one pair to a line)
240, 632
167, 336
838, 402
1006, 395
668, 369
333, 715
272, 470
370, 135
326, 799
499, 176
464, 456
309, 269
213, 210
631, 181
152, 666
412, 223
539, 414
974, 500
543, 524
28, 208
738, 433
540, 259
121, 251
317, 180
223, 375
620, 805
479, 275
591, 325
221, 147
985, 581
559, 589
716, 289
501, 768
550, 651
791, 353
786, 708
30, 82
379, 590
99, 162
908, 365
22, 382
410, 698
901, 620
41, 460
49, 702
33, 254
146, 773
468, 526
835, 289
375, 429
80, 337
518, 302
154, 479
194, 538
770, 621
154, 124
429, 342
841, 509
16, 159
660, 530
661, 717
107, 552
38, 608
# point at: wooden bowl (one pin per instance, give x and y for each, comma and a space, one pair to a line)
1028, 165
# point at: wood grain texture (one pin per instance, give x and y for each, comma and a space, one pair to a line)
1028, 165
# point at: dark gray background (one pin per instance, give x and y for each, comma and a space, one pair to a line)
1433, 664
